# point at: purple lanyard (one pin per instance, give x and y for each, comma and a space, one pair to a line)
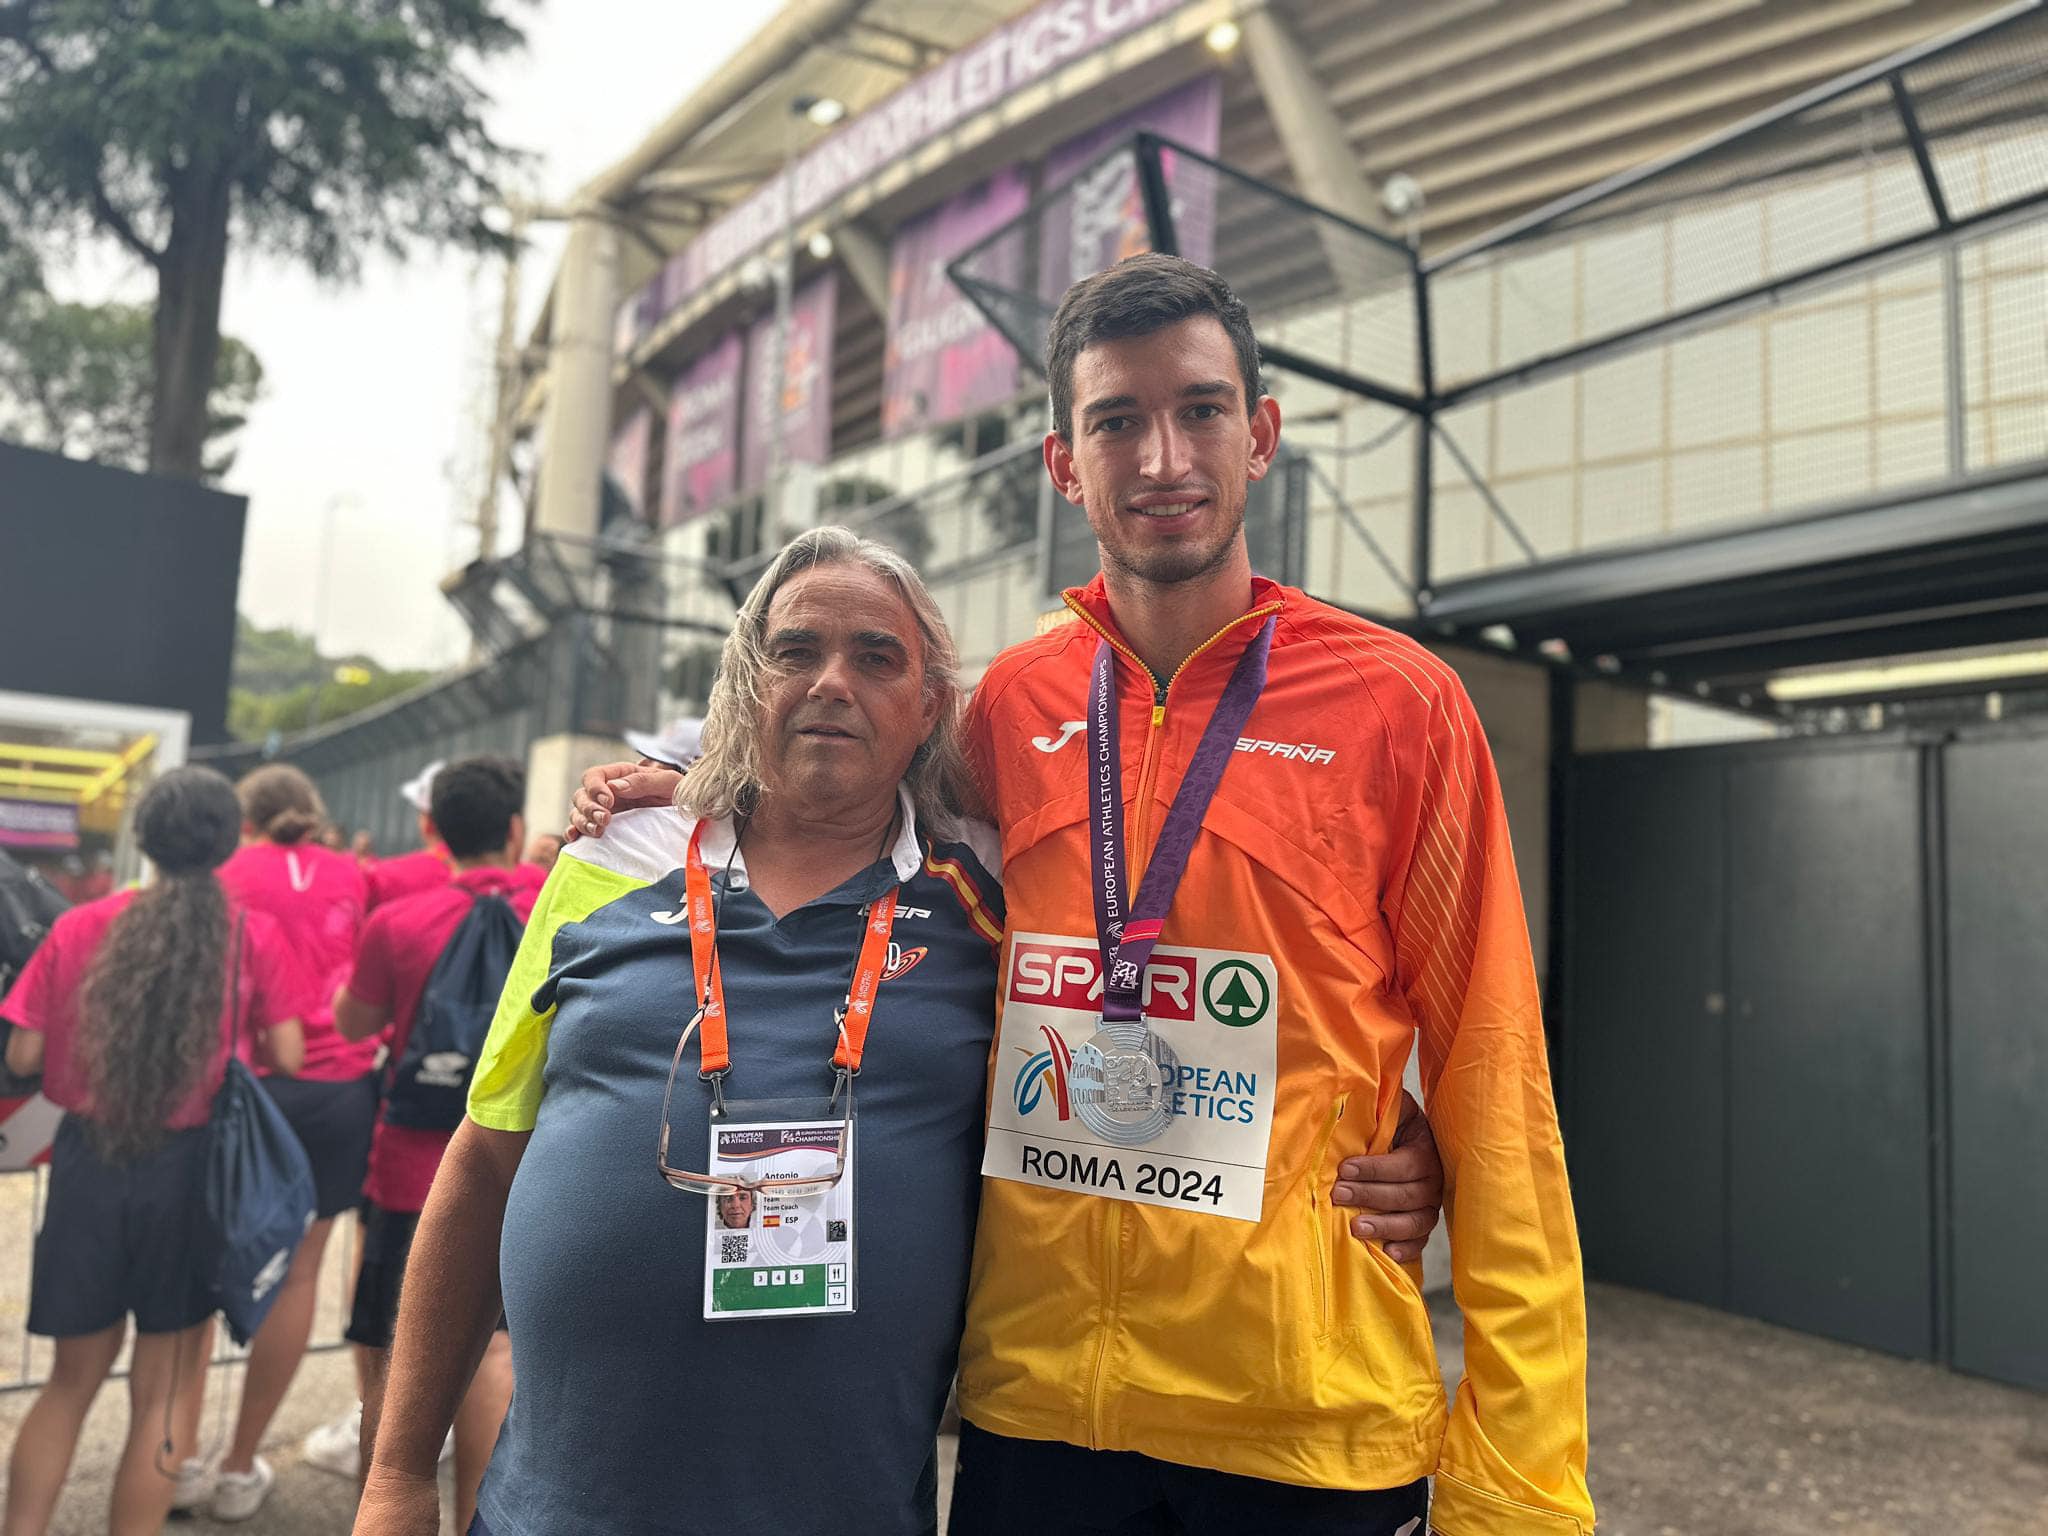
1127, 938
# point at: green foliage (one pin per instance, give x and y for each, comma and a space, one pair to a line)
338, 125
312, 129
76, 378
278, 673
270, 660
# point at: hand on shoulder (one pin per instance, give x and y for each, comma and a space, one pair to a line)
613, 787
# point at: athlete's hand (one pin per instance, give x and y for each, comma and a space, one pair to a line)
613, 787
398, 1503
1400, 1192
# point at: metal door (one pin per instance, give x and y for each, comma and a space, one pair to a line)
1645, 1033
1830, 1194
1997, 1027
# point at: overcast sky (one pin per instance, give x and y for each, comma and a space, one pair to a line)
376, 395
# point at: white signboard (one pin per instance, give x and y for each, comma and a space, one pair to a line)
1217, 1009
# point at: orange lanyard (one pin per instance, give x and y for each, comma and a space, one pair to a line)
714, 1054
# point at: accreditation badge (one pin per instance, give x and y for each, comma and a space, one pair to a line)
1174, 1110
772, 1252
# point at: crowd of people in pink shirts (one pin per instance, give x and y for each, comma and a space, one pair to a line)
259, 939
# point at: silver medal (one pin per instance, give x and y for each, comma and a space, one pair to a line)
1121, 1084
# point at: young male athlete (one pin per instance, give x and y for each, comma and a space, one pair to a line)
1167, 1328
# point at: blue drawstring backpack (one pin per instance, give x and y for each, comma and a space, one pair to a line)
427, 1089
258, 1194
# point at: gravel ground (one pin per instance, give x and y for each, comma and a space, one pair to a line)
1705, 1424
1702, 1425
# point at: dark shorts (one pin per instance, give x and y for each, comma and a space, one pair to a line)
121, 1239
333, 1122
1007, 1487
387, 1244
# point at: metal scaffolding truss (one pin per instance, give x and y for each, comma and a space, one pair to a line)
1927, 113
1927, 156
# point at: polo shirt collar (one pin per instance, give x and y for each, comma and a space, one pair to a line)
906, 854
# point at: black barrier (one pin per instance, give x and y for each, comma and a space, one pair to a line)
118, 587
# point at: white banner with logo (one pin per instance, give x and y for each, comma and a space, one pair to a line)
1217, 1009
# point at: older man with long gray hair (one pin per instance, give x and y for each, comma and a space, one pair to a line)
698, 996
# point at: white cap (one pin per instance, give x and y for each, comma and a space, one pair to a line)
418, 791
678, 746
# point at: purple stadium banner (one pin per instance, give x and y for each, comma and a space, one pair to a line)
804, 397
38, 824
626, 462
1018, 54
944, 361
1103, 219
700, 467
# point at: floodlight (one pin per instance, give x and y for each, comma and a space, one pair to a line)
1920, 672
1401, 195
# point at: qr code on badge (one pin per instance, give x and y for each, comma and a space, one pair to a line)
835, 1231
732, 1247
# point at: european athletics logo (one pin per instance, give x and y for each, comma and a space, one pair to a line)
1047, 1069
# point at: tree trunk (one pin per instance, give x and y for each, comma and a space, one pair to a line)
189, 280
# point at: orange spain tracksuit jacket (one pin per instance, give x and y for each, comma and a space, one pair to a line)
1351, 891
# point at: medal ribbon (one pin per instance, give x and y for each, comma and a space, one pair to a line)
714, 1053
1127, 934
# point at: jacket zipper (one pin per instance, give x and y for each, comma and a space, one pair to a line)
1148, 772
1315, 1210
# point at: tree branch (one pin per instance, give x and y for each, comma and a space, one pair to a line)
116, 223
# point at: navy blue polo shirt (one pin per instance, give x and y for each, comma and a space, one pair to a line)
631, 1413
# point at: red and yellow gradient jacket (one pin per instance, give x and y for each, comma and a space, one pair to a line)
1358, 839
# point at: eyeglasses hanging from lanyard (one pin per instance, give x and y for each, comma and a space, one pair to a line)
714, 1051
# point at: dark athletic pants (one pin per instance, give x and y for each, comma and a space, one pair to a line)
1007, 1487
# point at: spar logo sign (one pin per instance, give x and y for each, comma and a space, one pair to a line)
1236, 994
1219, 1011
1070, 976
1197, 990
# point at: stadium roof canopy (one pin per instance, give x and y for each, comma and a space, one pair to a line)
737, 129
1493, 108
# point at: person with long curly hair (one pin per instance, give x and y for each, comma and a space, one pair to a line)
127, 1011
319, 897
